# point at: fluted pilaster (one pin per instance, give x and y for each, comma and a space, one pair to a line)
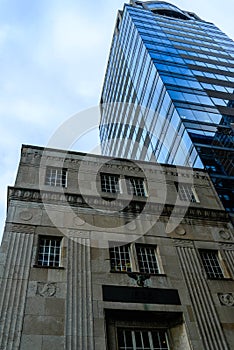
209, 326
79, 322
13, 288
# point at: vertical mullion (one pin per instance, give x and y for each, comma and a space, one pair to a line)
43, 252
133, 339
48, 262
147, 258
150, 340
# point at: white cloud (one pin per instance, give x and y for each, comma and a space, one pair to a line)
29, 110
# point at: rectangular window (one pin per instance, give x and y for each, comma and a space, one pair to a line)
120, 258
186, 192
211, 264
110, 183
56, 177
136, 186
146, 258
142, 339
49, 251
135, 257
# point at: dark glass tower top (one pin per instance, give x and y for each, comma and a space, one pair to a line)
168, 92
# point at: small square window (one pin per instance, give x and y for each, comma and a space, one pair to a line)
56, 177
49, 251
110, 183
211, 263
186, 193
136, 186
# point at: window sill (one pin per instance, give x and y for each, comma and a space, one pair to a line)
219, 279
140, 273
49, 267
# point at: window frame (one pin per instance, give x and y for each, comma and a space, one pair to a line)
132, 188
135, 264
133, 331
55, 263
220, 263
186, 192
145, 320
120, 249
156, 262
58, 182
111, 185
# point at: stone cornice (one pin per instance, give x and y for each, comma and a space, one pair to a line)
134, 207
75, 158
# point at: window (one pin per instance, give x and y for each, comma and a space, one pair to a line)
110, 183
134, 257
120, 258
211, 263
49, 251
146, 257
151, 330
142, 339
136, 186
186, 193
56, 177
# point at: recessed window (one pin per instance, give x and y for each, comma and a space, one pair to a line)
147, 259
142, 339
56, 177
49, 251
120, 258
110, 183
134, 257
136, 186
187, 193
211, 263
141, 330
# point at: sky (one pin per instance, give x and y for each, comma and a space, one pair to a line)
53, 55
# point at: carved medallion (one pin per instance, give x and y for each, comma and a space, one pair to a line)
25, 215
225, 234
78, 221
46, 289
226, 299
180, 231
131, 226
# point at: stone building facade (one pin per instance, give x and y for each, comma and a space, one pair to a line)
102, 253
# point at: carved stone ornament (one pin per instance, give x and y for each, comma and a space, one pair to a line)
78, 221
140, 278
226, 299
46, 289
25, 215
131, 226
180, 231
225, 235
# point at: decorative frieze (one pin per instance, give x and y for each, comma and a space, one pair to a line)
183, 243
135, 206
27, 228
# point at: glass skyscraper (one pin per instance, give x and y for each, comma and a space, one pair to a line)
168, 92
